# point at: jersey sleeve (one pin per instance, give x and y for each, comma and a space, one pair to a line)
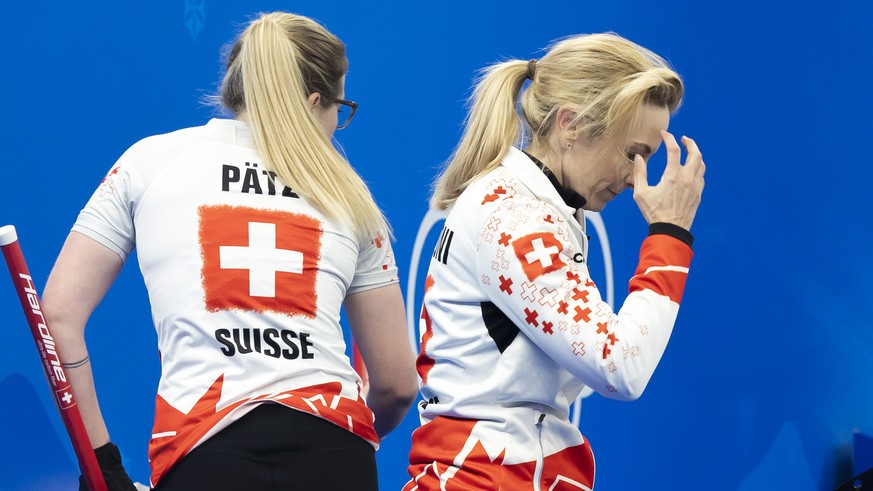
531, 271
376, 266
108, 215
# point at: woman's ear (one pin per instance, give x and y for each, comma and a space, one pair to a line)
565, 123
313, 99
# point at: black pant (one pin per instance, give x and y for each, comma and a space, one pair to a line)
276, 448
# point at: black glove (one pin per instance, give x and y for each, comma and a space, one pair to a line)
114, 474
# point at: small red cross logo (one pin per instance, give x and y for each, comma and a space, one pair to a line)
601, 328
506, 285
531, 317
547, 327
504, 239
582, 314
580, 295
65, 398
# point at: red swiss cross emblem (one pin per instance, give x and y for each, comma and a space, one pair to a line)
65, 397
260, 260
539, 253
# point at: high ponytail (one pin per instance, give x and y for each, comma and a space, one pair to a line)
492, 127
276, 63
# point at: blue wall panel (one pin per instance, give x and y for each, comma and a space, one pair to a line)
768, 372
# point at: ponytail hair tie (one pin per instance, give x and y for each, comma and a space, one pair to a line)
531, 69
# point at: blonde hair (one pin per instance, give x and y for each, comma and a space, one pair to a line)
277, 61
604, 78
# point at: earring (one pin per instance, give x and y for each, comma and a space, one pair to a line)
569, 145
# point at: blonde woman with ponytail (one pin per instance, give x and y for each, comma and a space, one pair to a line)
251, 235
513, 328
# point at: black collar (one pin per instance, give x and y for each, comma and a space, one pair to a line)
572, 198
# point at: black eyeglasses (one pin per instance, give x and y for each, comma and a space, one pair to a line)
344, 112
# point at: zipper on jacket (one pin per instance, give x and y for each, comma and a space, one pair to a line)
538, 470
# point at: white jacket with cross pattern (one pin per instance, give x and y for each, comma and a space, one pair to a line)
511, 318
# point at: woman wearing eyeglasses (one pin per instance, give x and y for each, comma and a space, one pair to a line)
251, 234
513, 327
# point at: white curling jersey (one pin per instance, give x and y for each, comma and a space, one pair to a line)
513, 328
245, 279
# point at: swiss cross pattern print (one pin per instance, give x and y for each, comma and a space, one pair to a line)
499, 189
546, 251
107, 185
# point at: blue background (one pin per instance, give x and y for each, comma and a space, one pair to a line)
768, 371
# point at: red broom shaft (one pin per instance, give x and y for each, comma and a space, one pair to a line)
48, 352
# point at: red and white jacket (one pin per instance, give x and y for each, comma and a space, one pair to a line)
513, 329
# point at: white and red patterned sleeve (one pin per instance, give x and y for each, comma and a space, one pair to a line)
108, 215
527, 269
376, 266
